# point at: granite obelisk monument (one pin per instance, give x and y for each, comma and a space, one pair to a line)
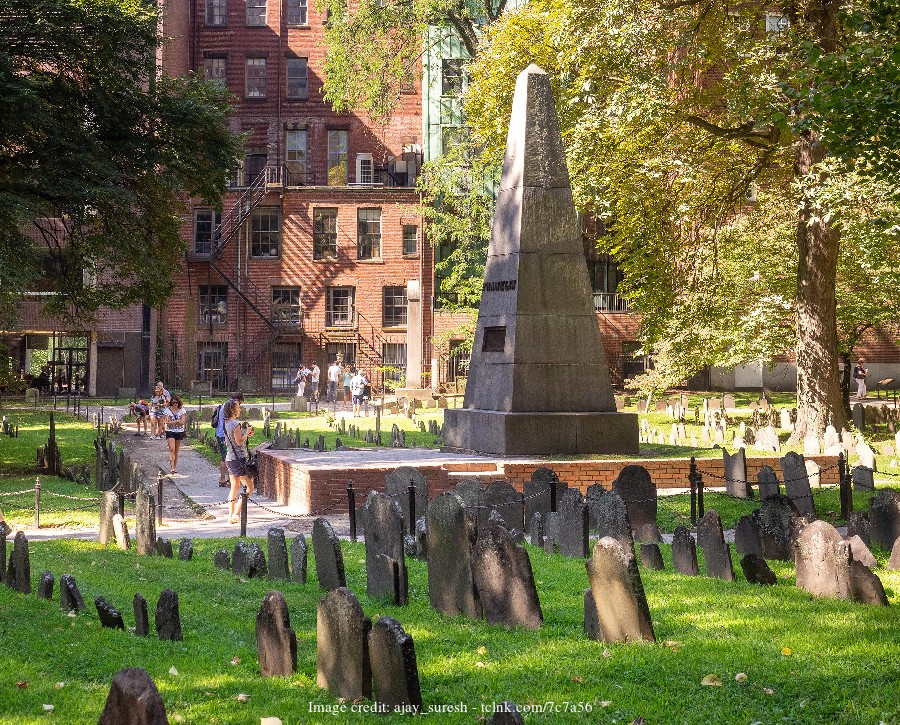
538, 383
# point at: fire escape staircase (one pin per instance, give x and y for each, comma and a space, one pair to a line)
369, 345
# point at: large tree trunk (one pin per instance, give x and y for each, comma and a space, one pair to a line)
819, 400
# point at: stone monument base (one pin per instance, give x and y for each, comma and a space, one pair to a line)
534, 434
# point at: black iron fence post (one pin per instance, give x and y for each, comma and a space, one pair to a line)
553, 495
845, 480
412, 508
700, 510
692, 479
37, 503
159, 497
351, 509
245, 496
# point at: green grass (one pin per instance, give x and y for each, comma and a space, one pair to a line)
843, 667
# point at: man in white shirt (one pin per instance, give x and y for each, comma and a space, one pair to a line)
314, 382
334, 374
358, 385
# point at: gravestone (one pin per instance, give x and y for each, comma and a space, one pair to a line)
894, 561
638, 492
109, 506
746, 536
684, 552
343, 666
610, 516
248, 560
651, 557
736, 474
386, 575
858, 525
784, 420
395, 675
470, 492
552, 532
811, 446
120, 527
775, 520
757, 571
506, 713
278, 555
501, 497
796, 482
536, 530
622, 611
133, 700
822, 561
452, 533
537, 340
222, 560
716, 553
141, 618
45, 585
863, 478
865, 585
299, 554
276, 642
812, 473
110, 617
168, 621
145, 523
186, 549
860, 552
69, 597
328, 556
767, 482
884, 517
730, 403
18, 573
591, 621
164, 547
505, 581
866, 455
537, 492
859, 416
396, 485
573, 532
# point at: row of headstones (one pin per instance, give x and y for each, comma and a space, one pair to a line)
8, 428
113, 468
113, 526
870, 415
48, 458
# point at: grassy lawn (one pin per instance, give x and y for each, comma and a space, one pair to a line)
841, 664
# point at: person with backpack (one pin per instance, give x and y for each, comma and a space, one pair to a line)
218, 422
236, 436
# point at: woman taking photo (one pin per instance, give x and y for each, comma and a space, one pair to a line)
158, 404
174, 421
236, 436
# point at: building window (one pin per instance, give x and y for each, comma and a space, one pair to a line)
605, 277
394, 314
211, 363
337, 158
410, 239
286, 306
265, 232
339, 307
215, 69
324, 233
297, 12
286, 361
216, 13
205, 223
776, 23
458, 360
256, 12
254, 164
295, 157
393, 360
452, 136
297, 79
365, 169
452, 75
255, 83
343, 353
368, 233
634, 361
213, 304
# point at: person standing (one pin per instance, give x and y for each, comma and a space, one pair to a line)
174, 422
300, 379
219, 417
334, 375
348, 376
236, 436
158, 404
860, 373
314, 375
141, 412
357, 389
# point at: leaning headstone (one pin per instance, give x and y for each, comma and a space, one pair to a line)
110, 617
536, 530
775, 520
451, 539
863, 478
120, 527
858, 525
505, 581
506, 713
186, 549
865, 585
866, 455
299, 554
822, 560
884, 517
651, 557
552, 532
573, 515
386, 575
278, 556
145, 526
757, 571
395, 675
69, 597
622, 611
133, 700
222, 560
591, 621
164, 547
501, 497
746, 536
168, 621
276, 642
537, 492
141, 618
684, 552
396, 485
328, 556
248, 560
812, 473
861, 552
796, 482
18, 573
610, 516
45, 585
716, 553
736, 474
109, 506
638, 491
343, 666
894, 561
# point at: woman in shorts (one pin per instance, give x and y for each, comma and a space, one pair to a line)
158, 404
236, 436
174, 422
141, 413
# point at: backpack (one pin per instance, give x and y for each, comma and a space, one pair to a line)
215, 417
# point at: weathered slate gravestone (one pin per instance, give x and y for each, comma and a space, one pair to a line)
859, 416
746, 536
651, 557
109, 506
884, 517
386, 574
865, 585
276, 642
536, 530
110, 617
716, 553
863, 478
278, 555
395, 675
396, 485
120, 527
70, 599
609, 516
222, 560
186, 549
796, 482
552, 532
505, 581
506, 713
858, 525
573, 517
299, 554
822, 561
343, 666
168, 621
684, 552
145, 523
622, 611
45, 585
501, 497
141, 618
860, 552
736, 474
591, 620
894, 561
18, 573
248, 560
133, 700
164, 547
470, 492
638, 492
452, 533
537, 492
775, 520
328, 557
757, 571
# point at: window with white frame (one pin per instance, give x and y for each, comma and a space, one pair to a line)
213, 301
452, 76
215, 69
205, 223
340, 306
337, 157
216, 13
410, 239
286, 309
297, 79
368, 233
255, 80
297, 12
394, 307
324, 232
393, 358
265, 232
295, 156
365, 169
256, 13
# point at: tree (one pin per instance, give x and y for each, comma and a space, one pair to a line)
673, 115
97, 153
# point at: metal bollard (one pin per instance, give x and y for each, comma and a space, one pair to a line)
37, 503
700, 511
411, 491
245, 496
159, 497
121, 504
692, 479
351, 509
553, 496
845, 482
522, 516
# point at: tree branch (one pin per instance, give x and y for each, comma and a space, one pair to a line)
744, 132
